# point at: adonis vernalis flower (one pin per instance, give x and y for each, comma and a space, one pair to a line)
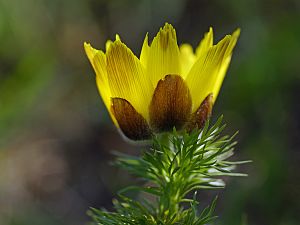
167, 86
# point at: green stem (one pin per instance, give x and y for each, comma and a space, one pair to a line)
171, 197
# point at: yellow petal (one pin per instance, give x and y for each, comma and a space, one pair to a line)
103, 93
108, 44
187, 58
224, 66
98, 61
207, 74
127, 78
163, 58
118, 37
90, 52
145, 52
205, 43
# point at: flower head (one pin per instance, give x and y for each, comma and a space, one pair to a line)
167, 86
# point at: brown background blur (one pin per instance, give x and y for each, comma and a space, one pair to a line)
56, 136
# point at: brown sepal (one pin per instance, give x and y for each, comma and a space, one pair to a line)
201, 115
171, 104
133, 125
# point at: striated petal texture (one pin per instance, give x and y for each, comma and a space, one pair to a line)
163, 56
207, 74
187, 59
205, 43
127, 78
98, 60
171, 104
145, 52
201, 115
133, 124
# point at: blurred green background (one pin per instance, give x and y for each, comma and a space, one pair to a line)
56, 136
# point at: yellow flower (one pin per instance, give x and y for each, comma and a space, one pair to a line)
167, 86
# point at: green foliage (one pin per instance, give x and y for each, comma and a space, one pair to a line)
176, 165
132, 212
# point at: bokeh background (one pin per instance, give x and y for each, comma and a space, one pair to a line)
56, 136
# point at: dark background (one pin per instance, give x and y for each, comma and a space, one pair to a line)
56, 136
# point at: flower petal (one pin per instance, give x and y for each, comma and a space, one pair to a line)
201, 115
98, 61
205, 43
163, 56
127, 78
145, 52
133, 125
171, 104
187, 58
208, 72
108, 44
223, 69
